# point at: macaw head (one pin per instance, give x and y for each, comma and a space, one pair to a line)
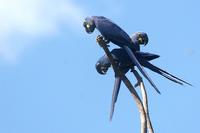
89, 25
102, 65
140, 38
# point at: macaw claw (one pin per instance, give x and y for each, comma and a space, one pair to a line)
102, 41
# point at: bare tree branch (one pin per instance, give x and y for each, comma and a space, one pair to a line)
128, 84
144, 100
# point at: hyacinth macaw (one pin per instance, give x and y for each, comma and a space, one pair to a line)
113, 33
124, 63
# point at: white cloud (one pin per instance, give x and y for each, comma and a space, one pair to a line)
33, 18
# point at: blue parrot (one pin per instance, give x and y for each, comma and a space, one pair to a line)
113, 33
124, 63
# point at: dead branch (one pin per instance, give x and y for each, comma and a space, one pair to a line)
128, 84
144, 100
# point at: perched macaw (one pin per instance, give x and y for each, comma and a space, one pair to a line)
113, 33
124, 63
138, 38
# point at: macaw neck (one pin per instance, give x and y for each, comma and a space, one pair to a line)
136, 45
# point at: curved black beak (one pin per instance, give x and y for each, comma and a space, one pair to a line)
146, 40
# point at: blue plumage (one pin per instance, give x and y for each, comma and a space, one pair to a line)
124, 63
128, 56
113, 33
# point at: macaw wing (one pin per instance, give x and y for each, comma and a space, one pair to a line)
145, 55
112, 32
121, 55
115, 95
135, 61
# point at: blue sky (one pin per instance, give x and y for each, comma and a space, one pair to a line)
48, 81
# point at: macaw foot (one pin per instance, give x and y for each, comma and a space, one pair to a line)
102, 41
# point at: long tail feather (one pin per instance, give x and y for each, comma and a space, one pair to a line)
135, 61
115, 95
163, 73
173, 76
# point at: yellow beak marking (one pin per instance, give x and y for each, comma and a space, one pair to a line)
88, 26
140, 40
